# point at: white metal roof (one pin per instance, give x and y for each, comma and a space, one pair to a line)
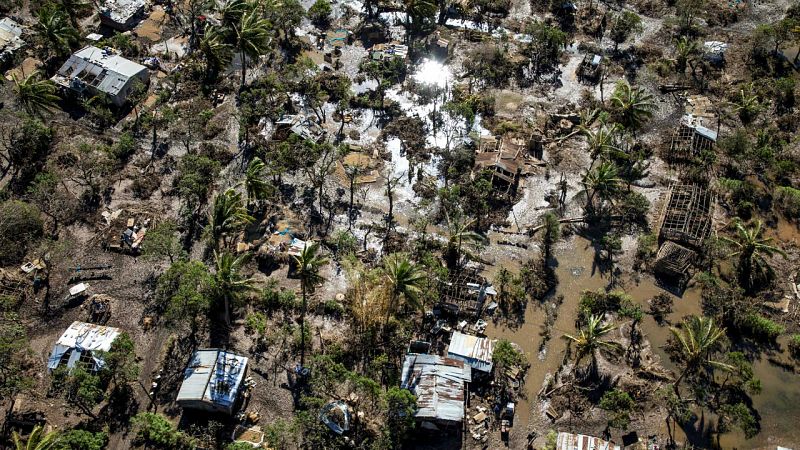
102, 69
473, 350
569, 441
121, 11
213, 376
82, 337
10, 33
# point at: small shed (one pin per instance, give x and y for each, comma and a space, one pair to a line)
122, 15
213, 381
379, 52
81, 342
95, 71
473, 350
300, 125
440, 385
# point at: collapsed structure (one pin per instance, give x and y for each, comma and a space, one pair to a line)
684, 224
82, 342
93, 71
464, 294
10, 39
122, 15
213, 381
301, 125
440, 385
380, 52
693, 136
507, 159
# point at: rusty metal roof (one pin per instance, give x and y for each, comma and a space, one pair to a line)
439, 384
473, 350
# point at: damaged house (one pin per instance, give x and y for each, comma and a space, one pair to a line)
464, 294
691, 138
10, 39
506, 159
473, 350
82, 342
122, 15
301, 125
684, 224
92, 71
440, 385
213, 381
379, 52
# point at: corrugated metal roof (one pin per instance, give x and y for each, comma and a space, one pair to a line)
438, 383
213, 376
569, 441
79, 338
475, 351
103, 70
10, 33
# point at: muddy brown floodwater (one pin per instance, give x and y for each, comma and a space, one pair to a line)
778, 404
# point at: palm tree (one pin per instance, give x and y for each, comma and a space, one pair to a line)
228, 215
53, 28
601, 141
38, 440
590, 341
252, 37
75, 9
255, 185
747, 105
34, 94
752, 251
698, 338
603, 181
633, 106
230, 286
308, 265
686, 51
403, 280
232, 11
215, 50
459, 234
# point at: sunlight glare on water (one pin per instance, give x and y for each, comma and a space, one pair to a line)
434, 73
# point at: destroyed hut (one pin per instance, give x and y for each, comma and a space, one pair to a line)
122, 15
685, 223
82, 342
10, 39
473, 350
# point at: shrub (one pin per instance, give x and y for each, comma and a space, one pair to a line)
81, 440
20, 225
506, 355
794, 346
760, 327
155, 430
320, 13
620, 405
788, 201
600, 302
256, 323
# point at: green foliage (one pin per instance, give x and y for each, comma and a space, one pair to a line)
28, 145
256, 322
20, 227
740, 415
79, 387
400, 408
551, 440
13, 351
601, 302
320, 13
794, 346
182, 292
489, 64
273, 298
620, 405
760, 327
197, 174
345, 243
81, 440
124, 148
280, 433
544, 50
787, 199
156, 431
624, 25
506, 355
162, 242
120, 361
238, 446
646, 247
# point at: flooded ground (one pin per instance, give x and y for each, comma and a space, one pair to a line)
777, 404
